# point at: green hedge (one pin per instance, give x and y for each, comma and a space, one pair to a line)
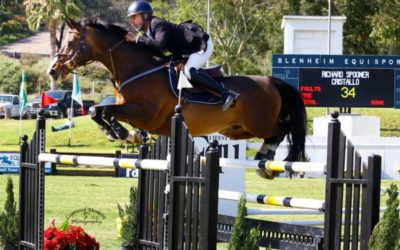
12, 27
36, 68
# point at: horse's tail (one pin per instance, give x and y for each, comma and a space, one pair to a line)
293, 119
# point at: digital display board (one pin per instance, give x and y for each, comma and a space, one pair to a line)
342, 80
347, 87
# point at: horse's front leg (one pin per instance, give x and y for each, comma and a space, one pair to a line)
128, 113
96, 116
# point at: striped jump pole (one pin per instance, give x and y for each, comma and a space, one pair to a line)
294, 211
104, 161
282, 211
279, 166
274, 200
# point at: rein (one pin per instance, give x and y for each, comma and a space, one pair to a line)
111, 57
143, 74
136, 77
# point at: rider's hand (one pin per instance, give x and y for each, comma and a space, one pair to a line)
131, 37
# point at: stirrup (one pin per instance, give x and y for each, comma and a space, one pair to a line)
230, 99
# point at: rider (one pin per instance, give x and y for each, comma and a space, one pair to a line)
184, 39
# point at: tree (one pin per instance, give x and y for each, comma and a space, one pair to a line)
51, 12
386, 26
237, 26
129, 218
237, 29
358, 26
9, 228
386, 233
243, 236
107, 10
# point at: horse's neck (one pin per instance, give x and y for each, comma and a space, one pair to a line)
125, 63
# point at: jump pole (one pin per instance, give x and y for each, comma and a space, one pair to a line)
104, 161
274, 200
279, 166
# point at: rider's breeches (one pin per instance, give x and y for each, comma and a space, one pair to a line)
198, 59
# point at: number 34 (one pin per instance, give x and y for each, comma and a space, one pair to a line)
348, 92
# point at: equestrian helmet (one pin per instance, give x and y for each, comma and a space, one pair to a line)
138, 7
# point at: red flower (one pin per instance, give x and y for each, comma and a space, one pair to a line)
74, 236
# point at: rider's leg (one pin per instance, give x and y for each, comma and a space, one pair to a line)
195, 61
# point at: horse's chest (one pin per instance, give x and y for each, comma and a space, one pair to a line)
119, 99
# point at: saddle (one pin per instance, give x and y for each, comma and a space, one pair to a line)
214, 71
195, 95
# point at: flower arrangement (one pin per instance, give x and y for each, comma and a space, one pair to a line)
72, 238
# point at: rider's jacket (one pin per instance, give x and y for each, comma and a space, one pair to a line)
182, 39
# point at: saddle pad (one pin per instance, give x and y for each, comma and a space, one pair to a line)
191, 95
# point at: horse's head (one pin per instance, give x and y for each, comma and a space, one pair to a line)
76, 52
92, 41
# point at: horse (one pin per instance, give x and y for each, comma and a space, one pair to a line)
268, 108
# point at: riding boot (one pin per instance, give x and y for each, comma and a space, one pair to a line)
204, 81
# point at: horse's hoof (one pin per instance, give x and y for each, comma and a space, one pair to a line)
110, 138
134, 138
109, 134
266, 174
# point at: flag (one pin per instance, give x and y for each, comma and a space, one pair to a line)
183, 81
23, 97
47, 100
76, 91
83, 110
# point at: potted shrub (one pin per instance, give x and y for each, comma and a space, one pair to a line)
129, 223
243, 236
9, 221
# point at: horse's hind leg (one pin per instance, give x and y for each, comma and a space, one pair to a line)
267, 152
96, 116
268, 149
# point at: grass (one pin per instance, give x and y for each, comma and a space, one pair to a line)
87, 137
66, 194
299, 188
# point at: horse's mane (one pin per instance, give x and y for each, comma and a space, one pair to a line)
119, 32
113, 29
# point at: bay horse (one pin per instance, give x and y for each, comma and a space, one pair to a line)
267, 108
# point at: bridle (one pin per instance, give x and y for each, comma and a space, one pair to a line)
75, 60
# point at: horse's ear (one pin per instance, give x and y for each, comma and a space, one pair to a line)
73, 24
69, 22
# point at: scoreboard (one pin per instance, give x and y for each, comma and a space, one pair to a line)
342, 80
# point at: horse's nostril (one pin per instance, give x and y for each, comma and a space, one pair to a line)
52, 72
